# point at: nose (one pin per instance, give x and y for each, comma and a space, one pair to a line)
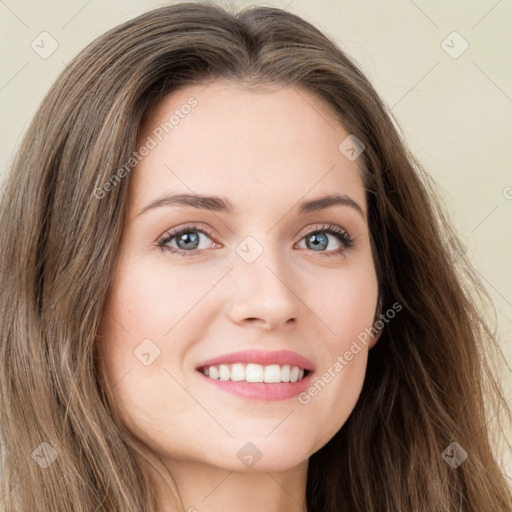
263, 293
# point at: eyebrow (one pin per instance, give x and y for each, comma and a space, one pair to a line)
222, 204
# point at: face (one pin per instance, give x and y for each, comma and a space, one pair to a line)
197, 283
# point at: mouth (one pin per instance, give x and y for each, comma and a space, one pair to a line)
251, 372
256, 382
259, 375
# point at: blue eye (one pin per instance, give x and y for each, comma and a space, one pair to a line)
318, 240
185, 241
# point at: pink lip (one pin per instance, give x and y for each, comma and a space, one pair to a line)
262, 357
262, 390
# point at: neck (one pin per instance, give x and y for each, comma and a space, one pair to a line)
211, 489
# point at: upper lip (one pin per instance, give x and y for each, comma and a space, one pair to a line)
263, 357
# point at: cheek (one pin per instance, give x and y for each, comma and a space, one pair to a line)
347, 311
148, 320
347, 305
149, 301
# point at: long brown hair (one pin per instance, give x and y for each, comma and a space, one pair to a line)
431, 379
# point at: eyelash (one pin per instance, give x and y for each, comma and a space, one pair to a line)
346, 240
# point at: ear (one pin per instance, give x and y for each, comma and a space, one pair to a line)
374, 340
377, 316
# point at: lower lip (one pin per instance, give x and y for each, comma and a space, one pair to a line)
262, 390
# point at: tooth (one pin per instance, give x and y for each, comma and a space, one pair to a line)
224, 372
254, 373
238, 372
272, 373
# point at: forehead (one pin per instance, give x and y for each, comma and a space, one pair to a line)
278, 144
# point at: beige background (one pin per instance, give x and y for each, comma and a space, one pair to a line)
456, 113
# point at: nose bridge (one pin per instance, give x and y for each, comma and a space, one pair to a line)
262, 288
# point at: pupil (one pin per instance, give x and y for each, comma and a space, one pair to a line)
319, 240
187, 238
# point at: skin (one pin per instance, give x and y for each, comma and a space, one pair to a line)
265, 150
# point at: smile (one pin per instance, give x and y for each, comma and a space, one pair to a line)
273, 373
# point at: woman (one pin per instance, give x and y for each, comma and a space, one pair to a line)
226, 284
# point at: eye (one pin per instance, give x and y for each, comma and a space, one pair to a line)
186, 241
318, 240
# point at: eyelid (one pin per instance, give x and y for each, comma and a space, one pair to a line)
343, 236
173, 232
